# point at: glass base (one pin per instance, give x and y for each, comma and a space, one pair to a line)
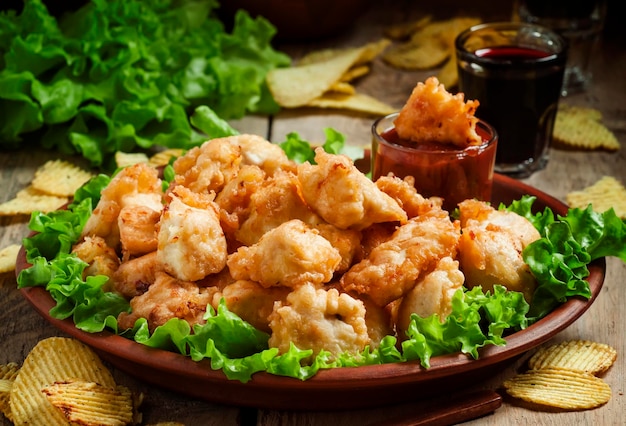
521, 170
575, 81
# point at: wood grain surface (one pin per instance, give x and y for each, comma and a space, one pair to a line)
21, 327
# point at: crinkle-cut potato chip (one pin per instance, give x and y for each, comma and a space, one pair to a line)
8, 255
407, 29
603, 195
578, 355
356, 102
430, 46
60, 178
560, 388
8, 372
54, 359
88, 403
29, 200
124, 159
163, 158
580, 127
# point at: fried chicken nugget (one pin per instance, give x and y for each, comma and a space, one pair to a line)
136, 185
101, 258
431, 295
393, 267
405, 194
491, 245
168, 298
134, 276
288, 255
319, 319
343, 196
191, 242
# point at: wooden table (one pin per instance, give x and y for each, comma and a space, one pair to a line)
21, 327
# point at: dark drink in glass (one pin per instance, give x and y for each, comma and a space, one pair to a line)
515, 71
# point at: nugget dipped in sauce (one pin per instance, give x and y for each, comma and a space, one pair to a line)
436, 139
432, 115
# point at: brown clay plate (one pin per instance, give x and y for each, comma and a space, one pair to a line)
339, 388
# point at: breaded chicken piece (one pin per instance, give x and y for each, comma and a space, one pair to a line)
191, 242
252, 302
210, 166
432, 294
135, 276
138, 230
491, 245
288, 255
136, 185
343, 196
431, 114
168, 298
405, 194
393, 267
319, 319
277, 201
102, 259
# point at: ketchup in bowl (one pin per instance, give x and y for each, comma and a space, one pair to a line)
440, 170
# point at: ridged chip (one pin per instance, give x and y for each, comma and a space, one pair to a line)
163, 158
578, 355
29, 200
606, 193
560, 388
580, 127
88, 403
54, 359
60, 178
8, 255
8, 372
124, 159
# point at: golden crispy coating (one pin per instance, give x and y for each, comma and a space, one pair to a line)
252, 302
342, 195
288, 255
134, 185
277, 201
393, 267
134, 276
432, 294
101, 258
431, 114
405, 194
191, 242
490, 249
168, 298
319, 319
137, 225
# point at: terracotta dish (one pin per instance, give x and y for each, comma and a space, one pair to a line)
340, 388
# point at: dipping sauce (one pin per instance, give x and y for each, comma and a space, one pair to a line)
441, 170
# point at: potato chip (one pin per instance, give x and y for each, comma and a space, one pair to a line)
342, 87
88, 403
163, 158
430, 46
54, 359
357, 102
354, 73
448, 74
582, 128
606, 193
124, 159
407, 29
579, 355
560, 388
368, 53
8, 372
29, 200
60, 178
7, 258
